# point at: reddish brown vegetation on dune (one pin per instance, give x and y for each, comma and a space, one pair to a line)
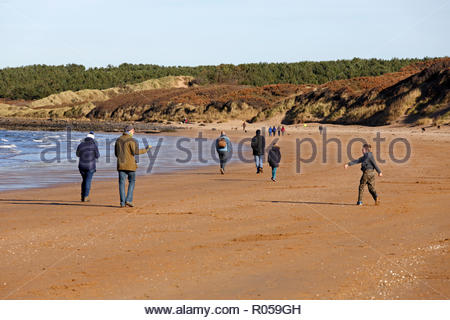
413, 95
415, 92
183, 100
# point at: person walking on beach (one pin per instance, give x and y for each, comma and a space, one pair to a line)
125, 149
258, 145
274, 158
88, 153
274, 131
223, 148
368, 167
283, 130
279, 130
244, 125
270, 131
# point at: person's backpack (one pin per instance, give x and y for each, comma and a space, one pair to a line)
222, 143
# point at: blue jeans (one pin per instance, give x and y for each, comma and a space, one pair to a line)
123, 175
274, 172
259, 161
86, 175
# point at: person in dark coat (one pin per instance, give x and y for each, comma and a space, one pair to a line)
258, 145
274, 159
368, 167
88, 153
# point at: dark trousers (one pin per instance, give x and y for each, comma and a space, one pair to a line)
87, 176
223, 158
368, 177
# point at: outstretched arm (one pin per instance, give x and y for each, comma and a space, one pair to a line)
348, 164
135, 148
141, 151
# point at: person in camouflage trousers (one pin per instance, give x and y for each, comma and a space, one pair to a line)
368, 167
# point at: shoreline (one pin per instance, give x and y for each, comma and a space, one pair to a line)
107, 171
35, 124
41, 124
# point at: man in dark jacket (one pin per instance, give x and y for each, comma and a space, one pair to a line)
258, 145
88, 153
368, 167
274, 159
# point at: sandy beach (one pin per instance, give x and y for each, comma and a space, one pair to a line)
200, 235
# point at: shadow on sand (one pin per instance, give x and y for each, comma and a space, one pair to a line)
308, 202
54, 203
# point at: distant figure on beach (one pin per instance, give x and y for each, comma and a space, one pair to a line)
125, 149
368, 167
258, 145
270, 131
283, 130
244, 125
88, 153
223, 148
320, 130
274, 131
423, 129
274, 159
279, 130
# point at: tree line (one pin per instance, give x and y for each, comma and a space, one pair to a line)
38, 81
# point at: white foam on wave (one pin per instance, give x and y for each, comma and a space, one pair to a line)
38, 140
46, 145
8, 146
4, 140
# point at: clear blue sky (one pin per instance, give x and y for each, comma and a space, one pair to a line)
200, 32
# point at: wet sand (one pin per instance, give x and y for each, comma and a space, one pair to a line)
200, 235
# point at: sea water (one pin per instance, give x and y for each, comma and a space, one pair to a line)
32, 159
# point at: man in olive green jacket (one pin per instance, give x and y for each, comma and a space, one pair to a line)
125, 149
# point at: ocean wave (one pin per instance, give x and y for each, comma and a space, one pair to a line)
4, 140
38, 140
8, 146
46, 145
